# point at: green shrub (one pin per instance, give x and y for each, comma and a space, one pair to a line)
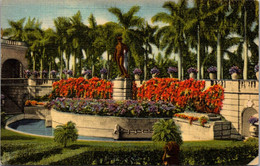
11, 147
65, 133
166, 130
232, 154
238, 154
4, 118
30, 154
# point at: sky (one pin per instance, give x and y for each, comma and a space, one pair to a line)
47, 10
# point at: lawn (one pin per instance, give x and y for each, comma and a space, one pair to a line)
23, 149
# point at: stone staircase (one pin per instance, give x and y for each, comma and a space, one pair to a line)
214, 117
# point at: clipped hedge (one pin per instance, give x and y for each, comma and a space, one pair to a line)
30, 154
237, 153
233, 155
10, 147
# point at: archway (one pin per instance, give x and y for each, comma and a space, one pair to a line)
12, 68
246, 114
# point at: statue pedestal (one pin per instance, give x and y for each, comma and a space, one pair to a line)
122, 89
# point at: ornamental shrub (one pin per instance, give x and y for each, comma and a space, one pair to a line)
34, 153
94, 88
166, 131
65, 133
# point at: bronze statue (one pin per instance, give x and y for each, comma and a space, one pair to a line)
119, 55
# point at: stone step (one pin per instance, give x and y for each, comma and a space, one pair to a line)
215, 118
212, 115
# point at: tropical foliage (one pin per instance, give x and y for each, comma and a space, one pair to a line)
223, 33
66, 133
166, 131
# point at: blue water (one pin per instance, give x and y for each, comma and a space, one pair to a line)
35, 126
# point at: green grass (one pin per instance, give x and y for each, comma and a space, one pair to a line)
15, 142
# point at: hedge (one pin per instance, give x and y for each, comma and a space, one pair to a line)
237, 153
30, 154
10, 147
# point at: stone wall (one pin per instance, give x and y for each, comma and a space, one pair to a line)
15, 97
239, 96
13, 50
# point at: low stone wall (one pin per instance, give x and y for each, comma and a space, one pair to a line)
138, 128
195, 132
106, 126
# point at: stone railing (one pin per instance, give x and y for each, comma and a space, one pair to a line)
13, 42
12, 81
25, 81
42, 82
236, 86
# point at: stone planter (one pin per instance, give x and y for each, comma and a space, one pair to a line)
69, 76
212, 76
103, 76
257, 75
193, 75
234, 76
137, 77
253, 129
154, 75
86, 76
31, 82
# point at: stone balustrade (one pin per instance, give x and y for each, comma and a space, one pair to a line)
13, 42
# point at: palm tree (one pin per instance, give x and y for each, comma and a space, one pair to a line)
66, 133
61, 25
16, 31
149, 38
106, 41
198, 29
248, 28
92, 35
32, 33
173, 35
75, 31
129, 30
47, 42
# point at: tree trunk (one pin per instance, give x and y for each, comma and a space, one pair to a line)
180, 65
245, 47
43, 54
198, 54
61, 54
80, 60
67, 62
108, 65
219, 76
93, 66
50, 69
74, 63
145, 63
33, 57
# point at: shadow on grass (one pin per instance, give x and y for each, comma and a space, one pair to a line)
13, 137
76, 146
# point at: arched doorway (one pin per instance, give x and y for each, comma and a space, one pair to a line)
12, 68
246, 114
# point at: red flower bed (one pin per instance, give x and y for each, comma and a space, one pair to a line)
183, 94
190, 118
79, 87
